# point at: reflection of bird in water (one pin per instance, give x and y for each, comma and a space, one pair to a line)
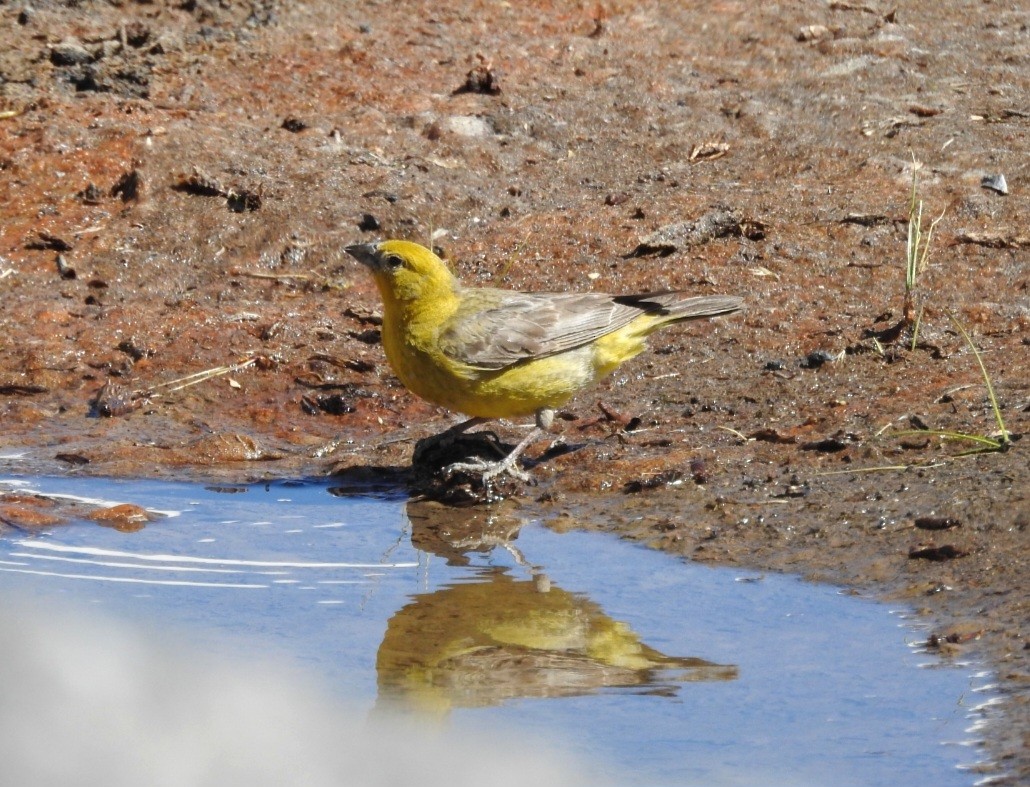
452, 533
500, 638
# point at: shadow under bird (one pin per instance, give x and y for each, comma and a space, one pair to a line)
492, 353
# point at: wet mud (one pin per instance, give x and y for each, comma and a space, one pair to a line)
178, 181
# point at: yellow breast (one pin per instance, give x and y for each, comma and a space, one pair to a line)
517, 390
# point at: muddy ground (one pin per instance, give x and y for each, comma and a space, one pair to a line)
178, 180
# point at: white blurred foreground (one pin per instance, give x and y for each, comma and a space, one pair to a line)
87, 701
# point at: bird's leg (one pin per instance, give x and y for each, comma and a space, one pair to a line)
462, 426
445, 438
509, 464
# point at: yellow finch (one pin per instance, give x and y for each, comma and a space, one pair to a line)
491, 353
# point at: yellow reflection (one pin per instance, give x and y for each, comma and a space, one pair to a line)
497, 637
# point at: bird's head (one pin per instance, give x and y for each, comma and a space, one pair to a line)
404, 271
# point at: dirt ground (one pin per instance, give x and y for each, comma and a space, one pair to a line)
178, 181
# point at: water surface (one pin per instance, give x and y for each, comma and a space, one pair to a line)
660, 671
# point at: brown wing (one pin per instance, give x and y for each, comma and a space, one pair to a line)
497, 328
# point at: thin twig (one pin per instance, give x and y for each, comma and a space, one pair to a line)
733, 432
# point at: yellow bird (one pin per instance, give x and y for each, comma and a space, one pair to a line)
492, 353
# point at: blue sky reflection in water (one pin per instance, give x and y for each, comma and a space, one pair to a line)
769, 680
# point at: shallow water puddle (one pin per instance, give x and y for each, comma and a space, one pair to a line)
665, 672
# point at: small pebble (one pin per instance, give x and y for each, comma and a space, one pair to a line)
995, 183
816, 359
469, 126
368, 223
70, 52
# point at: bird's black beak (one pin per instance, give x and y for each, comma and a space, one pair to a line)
365, 253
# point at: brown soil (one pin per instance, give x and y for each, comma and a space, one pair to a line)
178, 180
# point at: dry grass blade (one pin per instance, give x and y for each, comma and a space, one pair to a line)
273, 276
878, 469
917, 252
987, 443
198, 377
1005, 438
992, 445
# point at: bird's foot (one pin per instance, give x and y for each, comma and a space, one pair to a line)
488, 471
476, 467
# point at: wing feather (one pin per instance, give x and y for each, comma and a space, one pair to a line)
498, 328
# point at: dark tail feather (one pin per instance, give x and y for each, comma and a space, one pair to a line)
704, 306
675, 308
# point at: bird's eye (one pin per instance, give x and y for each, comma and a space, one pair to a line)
393, 261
